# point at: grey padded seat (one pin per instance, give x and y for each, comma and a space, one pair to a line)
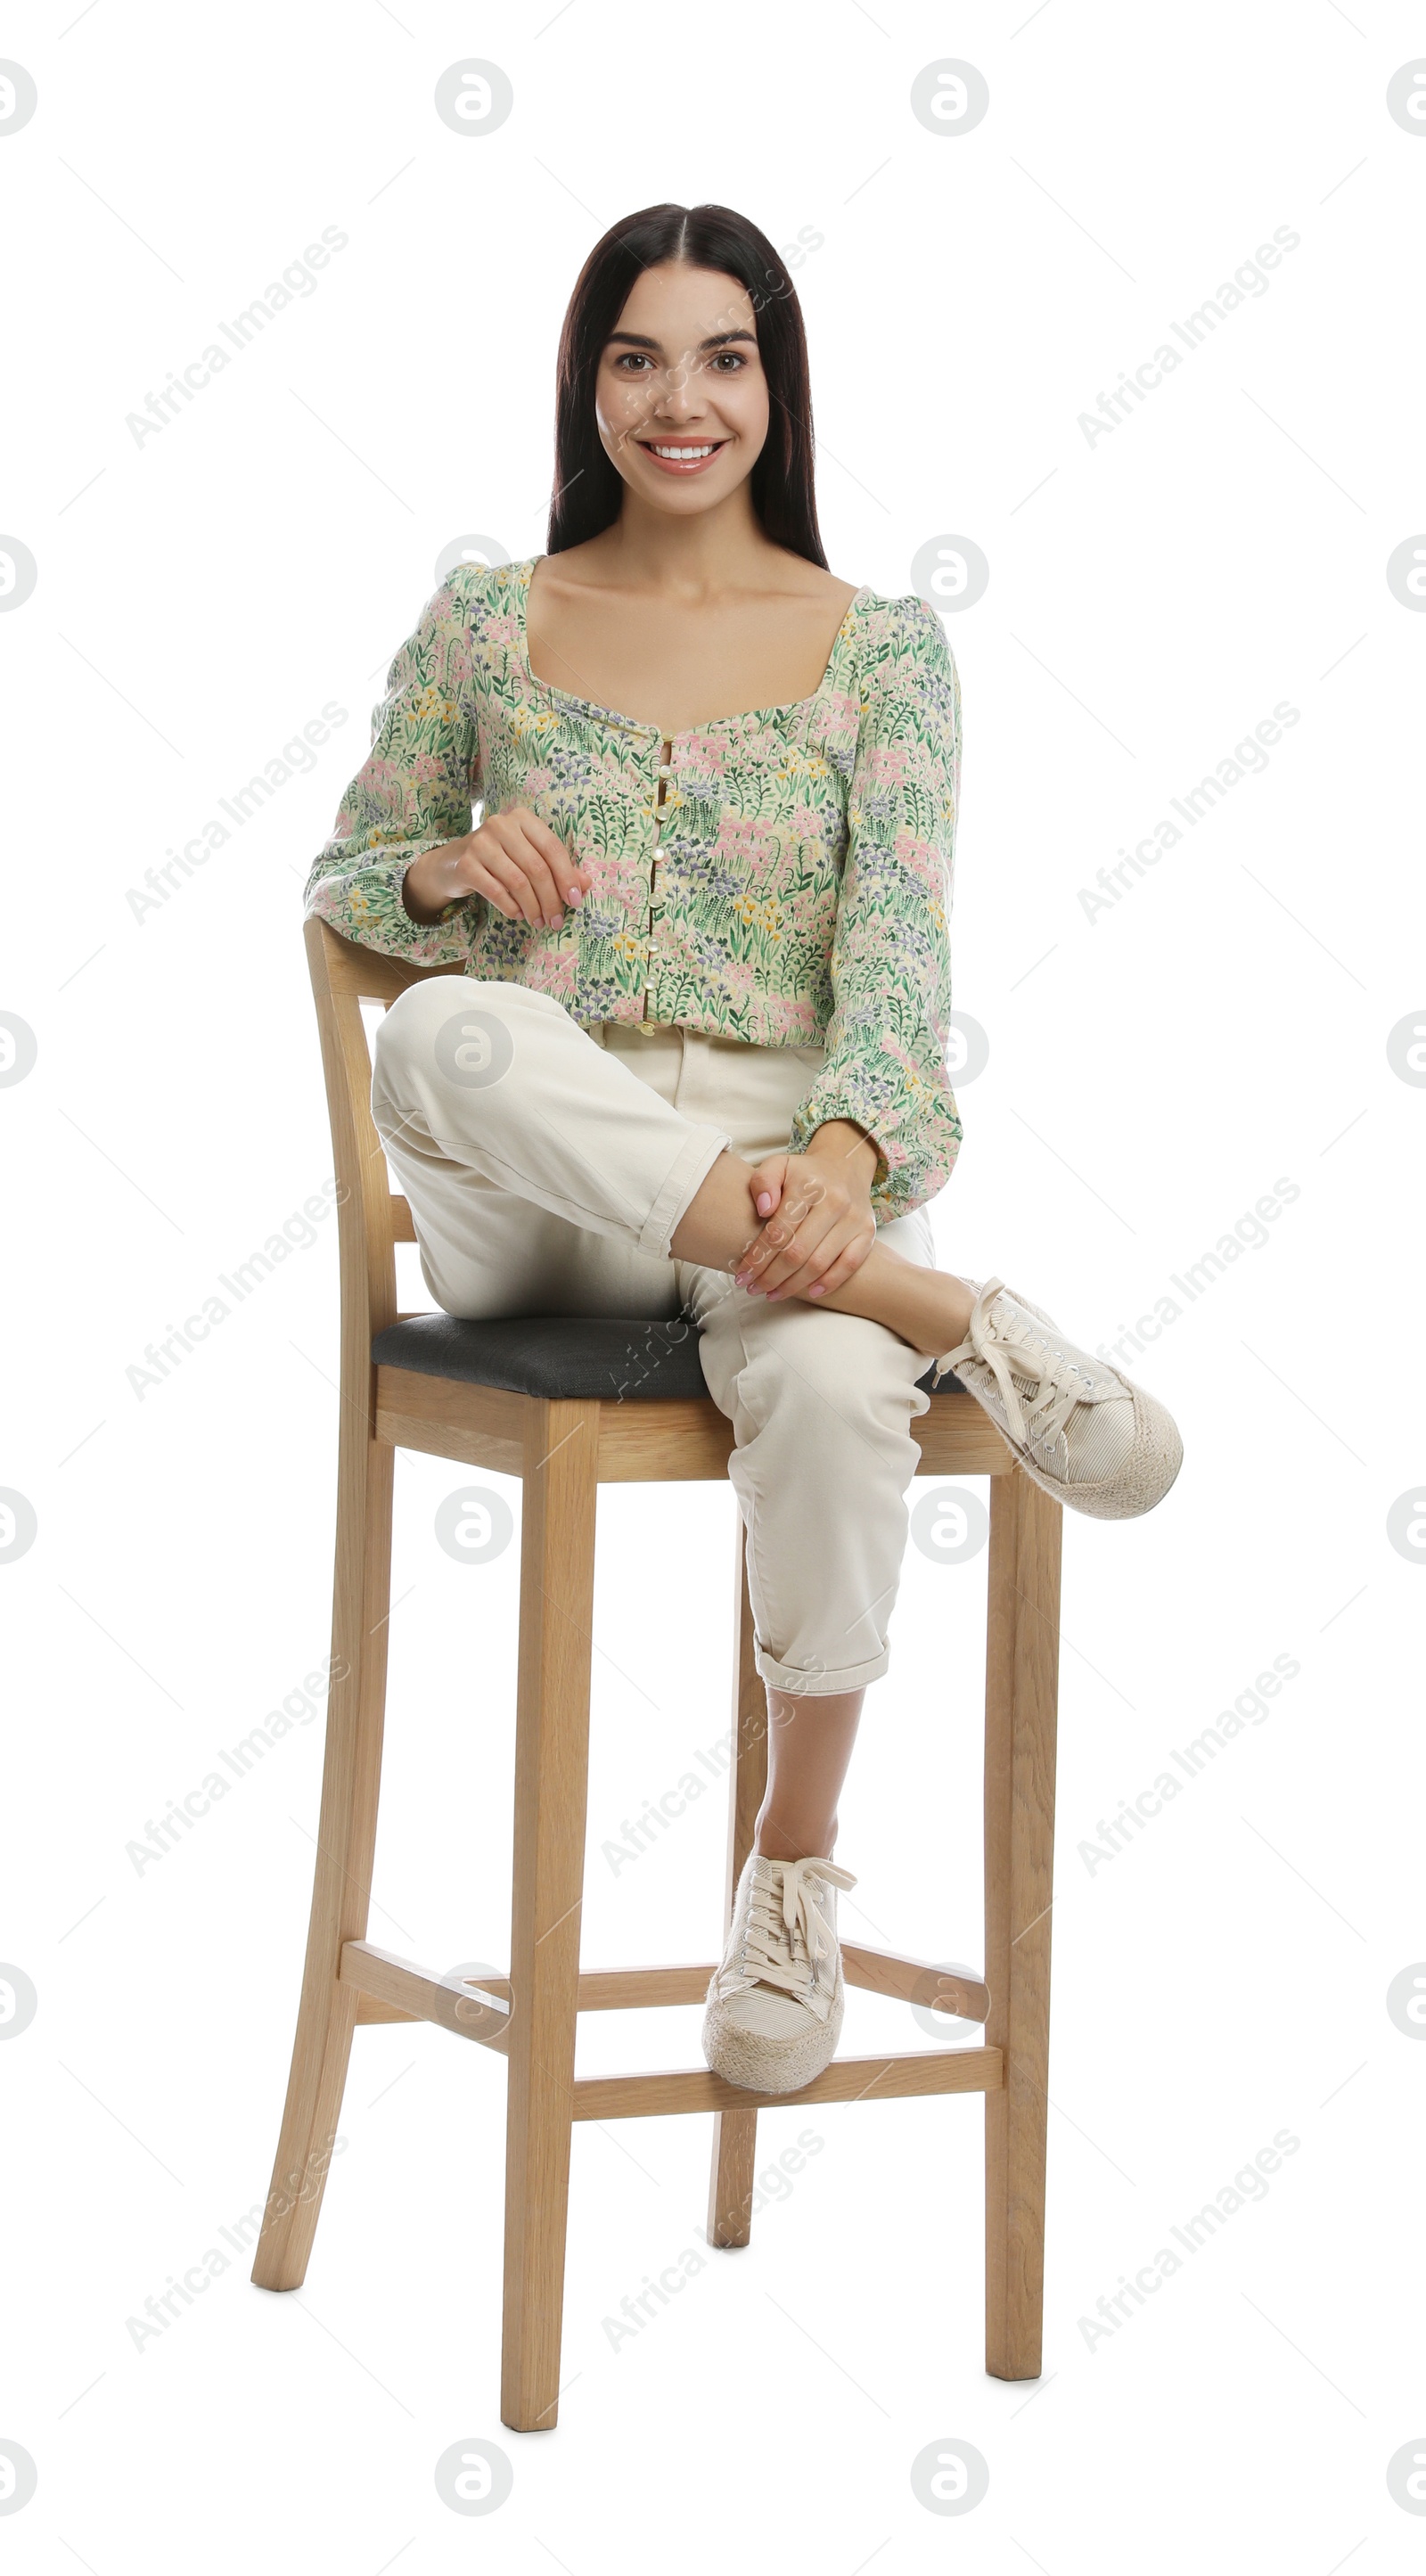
606, 1357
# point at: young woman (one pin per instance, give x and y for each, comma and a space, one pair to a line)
702, 1068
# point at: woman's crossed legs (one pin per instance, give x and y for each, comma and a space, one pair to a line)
547, 1177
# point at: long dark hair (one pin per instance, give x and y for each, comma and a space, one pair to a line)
589, 490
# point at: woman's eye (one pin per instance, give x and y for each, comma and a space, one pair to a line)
736, 362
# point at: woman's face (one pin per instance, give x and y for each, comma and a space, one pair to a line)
680, 397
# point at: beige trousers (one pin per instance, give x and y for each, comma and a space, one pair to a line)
547, 1166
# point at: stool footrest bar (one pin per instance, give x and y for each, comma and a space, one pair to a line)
880, 1972
425, 1996
600, 1990
847, 2079
620, 1989
917, 1981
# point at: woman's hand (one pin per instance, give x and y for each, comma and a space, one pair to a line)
818, 1225
514, 860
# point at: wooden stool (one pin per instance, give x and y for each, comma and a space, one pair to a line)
568, 1406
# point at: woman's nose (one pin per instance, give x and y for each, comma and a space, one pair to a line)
682, 392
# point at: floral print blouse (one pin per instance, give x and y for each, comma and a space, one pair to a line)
781, 876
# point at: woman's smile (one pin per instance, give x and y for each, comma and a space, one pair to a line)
681, 455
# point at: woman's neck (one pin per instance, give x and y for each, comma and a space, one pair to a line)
651, 552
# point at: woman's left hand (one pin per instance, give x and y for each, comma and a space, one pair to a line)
818, 1224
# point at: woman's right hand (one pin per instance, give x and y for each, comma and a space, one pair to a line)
514, 860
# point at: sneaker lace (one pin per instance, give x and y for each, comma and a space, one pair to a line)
1051, 1383
786, 1935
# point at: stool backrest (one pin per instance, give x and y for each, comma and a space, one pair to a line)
371, 1218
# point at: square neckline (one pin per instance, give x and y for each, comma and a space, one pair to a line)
638, 724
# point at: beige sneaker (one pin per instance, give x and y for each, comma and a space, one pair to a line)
1084, 1431
775, 2004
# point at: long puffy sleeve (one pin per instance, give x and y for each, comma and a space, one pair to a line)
414, 790
885, 1065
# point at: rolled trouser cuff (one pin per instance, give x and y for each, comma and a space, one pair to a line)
820, 1684
680, 1186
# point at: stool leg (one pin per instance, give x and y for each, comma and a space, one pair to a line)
735, 2133
346, 1841
1021, 1680
551, 1795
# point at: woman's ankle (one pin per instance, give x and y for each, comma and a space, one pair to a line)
778, 1842
930, 1309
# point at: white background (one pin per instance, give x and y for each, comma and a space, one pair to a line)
1153, 1072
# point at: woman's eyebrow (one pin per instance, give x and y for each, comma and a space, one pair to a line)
640, 339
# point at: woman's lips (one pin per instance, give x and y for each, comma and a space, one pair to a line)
682, 456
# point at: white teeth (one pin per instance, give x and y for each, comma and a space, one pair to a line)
684, 455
